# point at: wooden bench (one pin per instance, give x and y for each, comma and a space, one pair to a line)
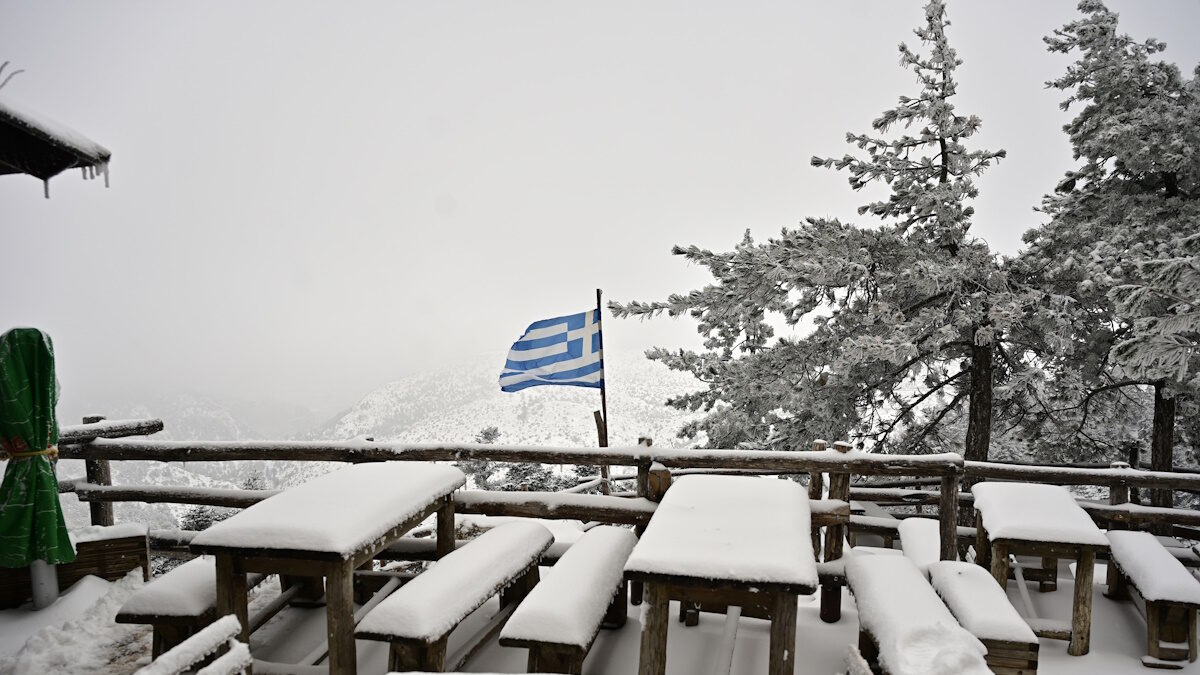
202, 648
559, 620
417, 619
178, 604
982, 607
1170, 593
903, 625
886, 528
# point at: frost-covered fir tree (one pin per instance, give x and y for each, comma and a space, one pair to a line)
909, 315
1117, 221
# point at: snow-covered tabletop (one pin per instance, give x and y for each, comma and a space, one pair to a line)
337, 513
732, 528
1032, 512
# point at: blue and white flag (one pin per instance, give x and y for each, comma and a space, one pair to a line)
564, 350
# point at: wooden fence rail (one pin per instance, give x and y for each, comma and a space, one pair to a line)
832, 474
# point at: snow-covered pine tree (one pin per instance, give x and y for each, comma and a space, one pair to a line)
1114, 219
906, 316
480, 471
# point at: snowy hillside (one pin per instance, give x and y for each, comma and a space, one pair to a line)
454, 406
449, 406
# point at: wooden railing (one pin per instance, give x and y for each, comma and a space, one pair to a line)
99, 443
835, 476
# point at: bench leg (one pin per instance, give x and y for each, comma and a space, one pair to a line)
618, 610
167, 636
831, 602
408, 656
653, 657
1081, 614
869, 650
549, 660
1051, 566
516, 591
1152, 630
783, 635
1118, 585
689, 613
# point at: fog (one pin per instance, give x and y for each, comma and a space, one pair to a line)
311, 199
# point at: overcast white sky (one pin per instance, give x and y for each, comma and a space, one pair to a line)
310, 199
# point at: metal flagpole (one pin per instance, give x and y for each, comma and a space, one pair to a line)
602, 418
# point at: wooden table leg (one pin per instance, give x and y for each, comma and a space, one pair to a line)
983, 550
653, 658
339, 618
1000, 564
783, 635
445, 528
1081, 612
231, 593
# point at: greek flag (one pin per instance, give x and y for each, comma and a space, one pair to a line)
564, 350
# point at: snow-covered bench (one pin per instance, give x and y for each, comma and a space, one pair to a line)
201, 647
886, 527
559, 620
178, 604
904, 629
418, 618
1170, 592
982, 607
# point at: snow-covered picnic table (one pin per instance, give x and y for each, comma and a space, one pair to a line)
1045, 521
726, 541
327, 528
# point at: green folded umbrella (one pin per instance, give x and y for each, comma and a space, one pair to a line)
31, 519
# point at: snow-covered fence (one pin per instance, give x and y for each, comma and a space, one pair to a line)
98, 470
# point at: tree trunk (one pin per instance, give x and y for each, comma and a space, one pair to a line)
979, 416
1162, 442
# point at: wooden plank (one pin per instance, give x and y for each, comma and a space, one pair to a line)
96, 426
363, 451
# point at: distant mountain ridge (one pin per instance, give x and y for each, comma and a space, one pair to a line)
447, 405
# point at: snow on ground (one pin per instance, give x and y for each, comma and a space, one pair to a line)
92, 643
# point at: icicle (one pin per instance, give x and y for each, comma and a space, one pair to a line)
104, 170
46, 187
83, 170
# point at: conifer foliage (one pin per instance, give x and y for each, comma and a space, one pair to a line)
906, 313
1119, 243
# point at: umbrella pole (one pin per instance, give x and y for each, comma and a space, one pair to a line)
44, 578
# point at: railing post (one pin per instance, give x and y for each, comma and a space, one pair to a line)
816, 488
948, 516
643, 469
835, 535
99, 472
1118, 493
839, 488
